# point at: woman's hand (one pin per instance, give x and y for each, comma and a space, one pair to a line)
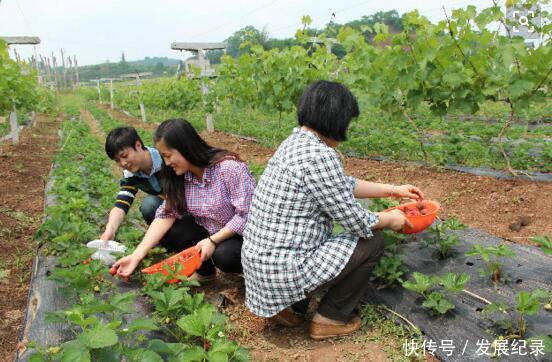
207, 248
407, 191
394, 220
126, 265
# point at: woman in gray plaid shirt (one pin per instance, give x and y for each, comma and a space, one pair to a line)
289, 251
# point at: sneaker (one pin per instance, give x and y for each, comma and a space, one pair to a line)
319, 331
287, 318
203, 278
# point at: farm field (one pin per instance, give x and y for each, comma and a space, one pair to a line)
459, 107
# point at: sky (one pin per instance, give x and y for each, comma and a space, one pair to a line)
102, 31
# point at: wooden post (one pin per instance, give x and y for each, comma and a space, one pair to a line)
63, 70
16, 54
111, 92
142, 108
40, 74
136, 77
208, 116
76, 67
99, 92
14, 126
56, 78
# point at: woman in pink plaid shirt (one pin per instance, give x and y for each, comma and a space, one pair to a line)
208, 193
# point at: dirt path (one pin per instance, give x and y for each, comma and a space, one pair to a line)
479, 201
24, 172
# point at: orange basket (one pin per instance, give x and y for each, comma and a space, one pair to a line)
420, 219
189, 259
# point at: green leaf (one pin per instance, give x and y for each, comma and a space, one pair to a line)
421, 283
142, 325
306, 20
436, 302
454, 283
520, 87
37, 357
545, 244
453, 79
124, 302
150, 356
527, 303
106, 355
496, 308
214, 356
192, 324
225, 346
241, 355
74, 351
194, 353
546, 342
159, 346
98, 337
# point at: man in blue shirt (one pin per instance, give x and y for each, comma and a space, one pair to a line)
141, 168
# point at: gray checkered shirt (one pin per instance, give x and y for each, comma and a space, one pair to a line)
288, 248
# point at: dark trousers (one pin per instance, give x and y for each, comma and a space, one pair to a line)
186, 233
345, 291
149, 206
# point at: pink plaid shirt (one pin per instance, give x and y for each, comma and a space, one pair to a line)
221, 199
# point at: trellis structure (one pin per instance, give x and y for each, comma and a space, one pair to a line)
110, 80
199, 49
137, 77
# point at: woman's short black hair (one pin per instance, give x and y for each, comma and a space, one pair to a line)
120, 138
328, 108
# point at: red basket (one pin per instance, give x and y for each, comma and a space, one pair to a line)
189, 259
419, 222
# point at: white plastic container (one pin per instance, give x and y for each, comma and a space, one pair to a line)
104, 250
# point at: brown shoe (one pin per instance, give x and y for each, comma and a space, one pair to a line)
287, 318
202, 279
320, 331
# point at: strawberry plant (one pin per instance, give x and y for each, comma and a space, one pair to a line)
100, 322
422, 283
435, 301
545, 244
390, 268
492, 258
442, 236
388, 271
454, 283
513, 322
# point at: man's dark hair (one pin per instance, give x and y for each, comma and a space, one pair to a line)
120, 138
328, 108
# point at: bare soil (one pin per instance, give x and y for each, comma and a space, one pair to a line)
24, 172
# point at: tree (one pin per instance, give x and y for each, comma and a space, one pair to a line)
214, 56
248, 34
390, 18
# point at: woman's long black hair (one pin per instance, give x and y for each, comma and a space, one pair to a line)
181, 135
